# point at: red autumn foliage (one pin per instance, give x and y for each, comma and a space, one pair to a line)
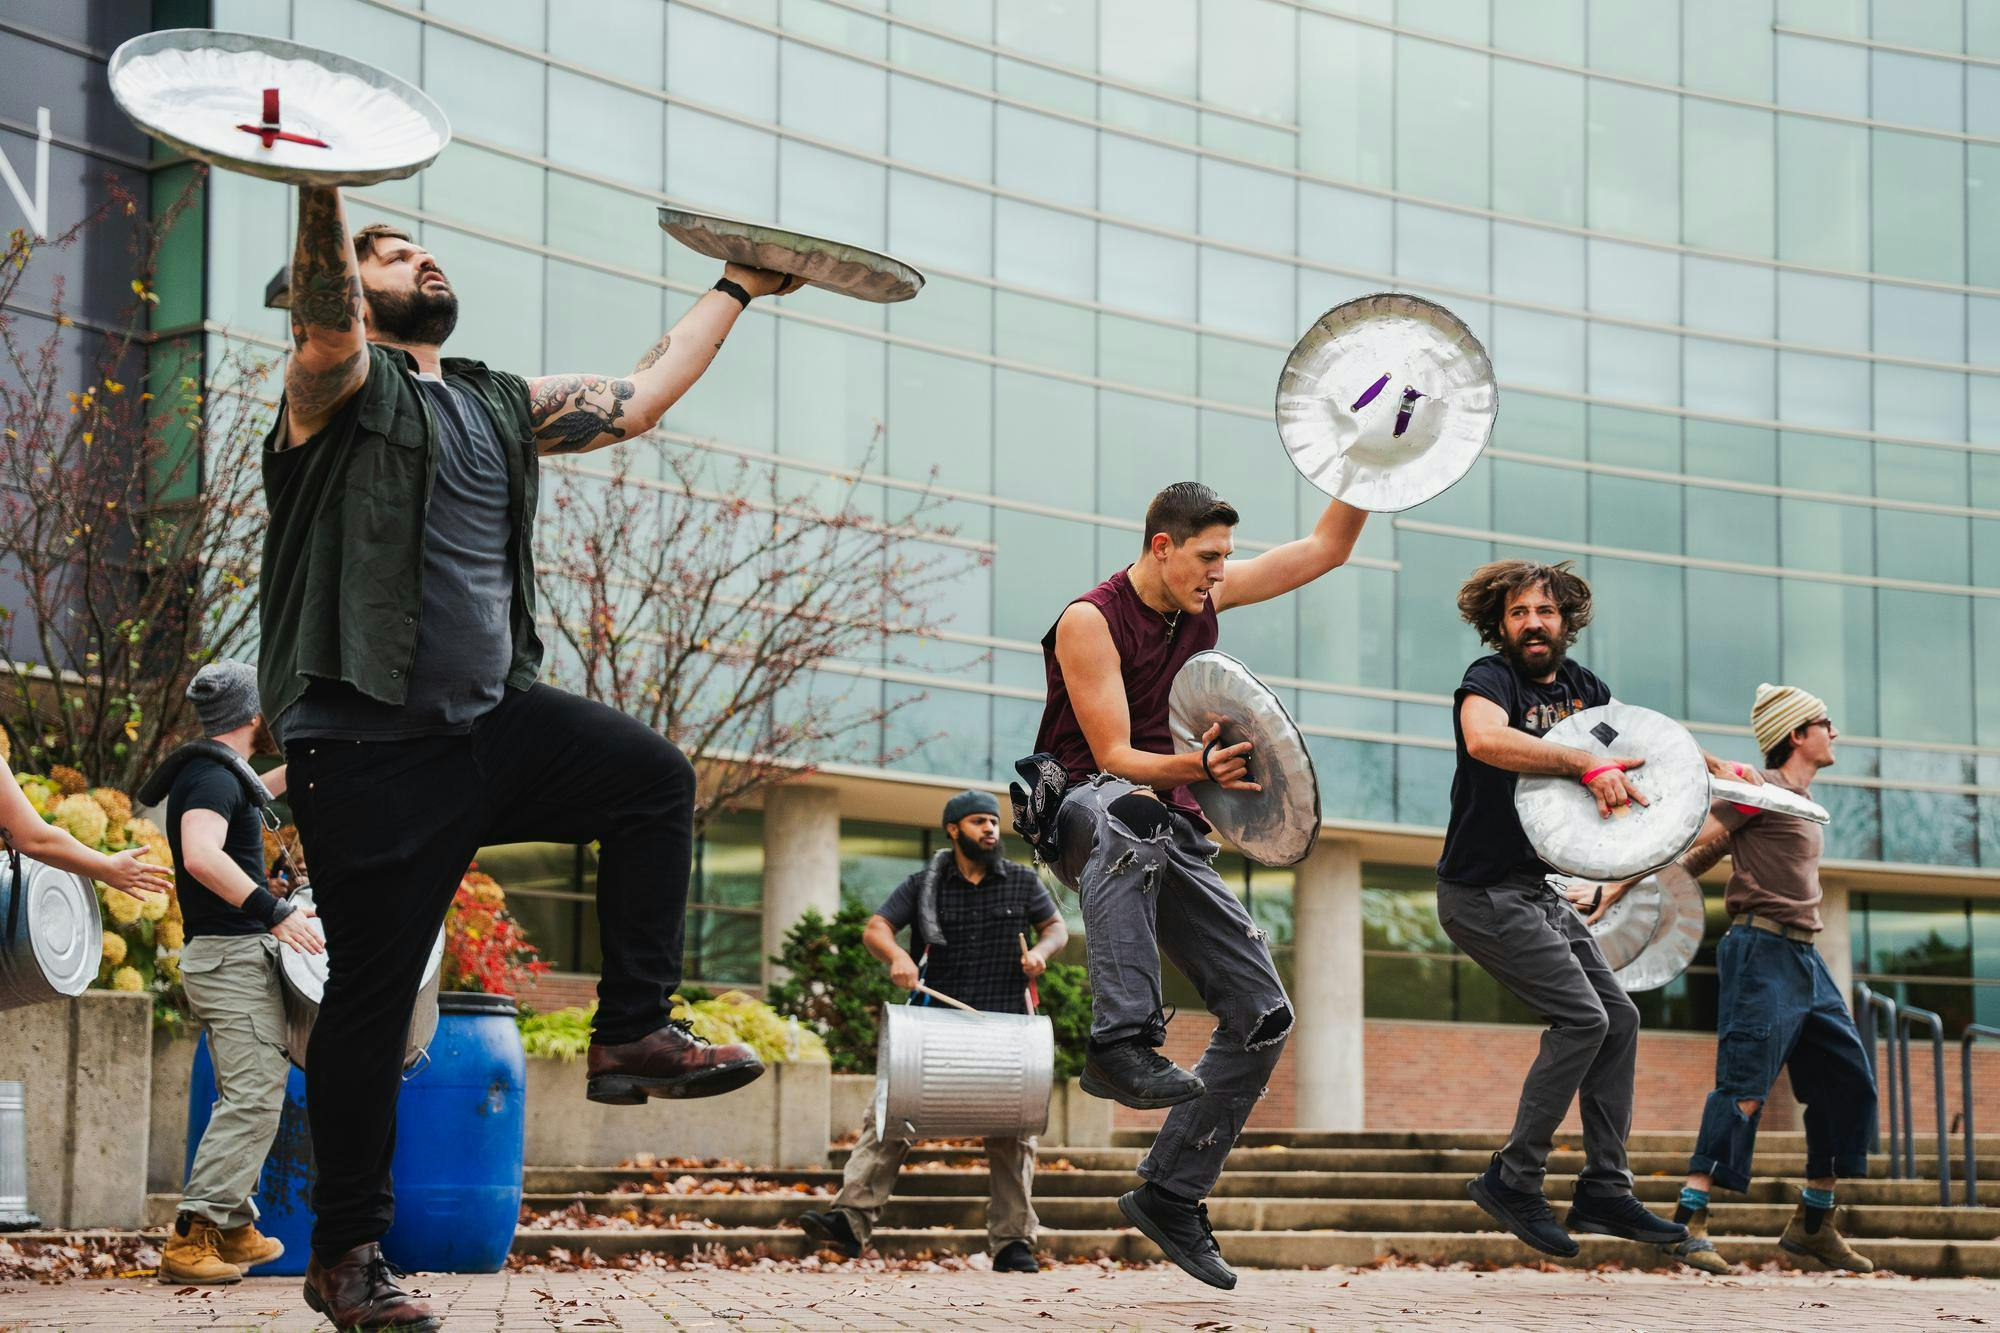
484, 947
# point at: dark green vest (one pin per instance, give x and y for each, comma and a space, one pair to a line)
344, 549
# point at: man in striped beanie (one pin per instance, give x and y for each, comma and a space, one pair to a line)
1779, 1007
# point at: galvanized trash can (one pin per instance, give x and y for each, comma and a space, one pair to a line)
51, 938
945, 1072
14, 1214
302, 978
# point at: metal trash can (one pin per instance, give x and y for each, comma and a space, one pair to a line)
14, 1214
977, 1075
51, 937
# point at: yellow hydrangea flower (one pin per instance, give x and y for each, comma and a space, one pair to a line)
128, 979
168, 966
117, 805
68, 780
139, 829
83, 818
170, 934
153, 907
122, 908
114, 948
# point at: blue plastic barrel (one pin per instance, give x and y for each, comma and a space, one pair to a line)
460, 1127
284, 1190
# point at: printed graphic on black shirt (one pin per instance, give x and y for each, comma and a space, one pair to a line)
1484, 842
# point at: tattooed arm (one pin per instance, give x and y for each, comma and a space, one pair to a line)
573, 414
329, 347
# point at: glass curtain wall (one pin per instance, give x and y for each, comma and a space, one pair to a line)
1737, 265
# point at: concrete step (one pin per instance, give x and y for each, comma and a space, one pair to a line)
1768, 1140
968, 1213
971, 1179
1469, 1161
1268, 1249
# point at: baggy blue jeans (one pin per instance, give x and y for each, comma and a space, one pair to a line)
1780, 1008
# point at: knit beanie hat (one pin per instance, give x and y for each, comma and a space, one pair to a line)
970, 803
1781, 710
224, 695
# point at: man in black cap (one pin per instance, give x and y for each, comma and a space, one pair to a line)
968, 913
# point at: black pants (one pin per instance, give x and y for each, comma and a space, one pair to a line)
389, 828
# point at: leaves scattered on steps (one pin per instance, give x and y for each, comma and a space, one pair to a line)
686, 1184
578, 1217
126, 1256
760, 1258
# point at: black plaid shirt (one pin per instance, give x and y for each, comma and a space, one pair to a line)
980, 961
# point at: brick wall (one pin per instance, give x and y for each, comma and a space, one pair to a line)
1468, 1075
558, 990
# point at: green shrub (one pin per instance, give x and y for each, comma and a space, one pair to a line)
561, 1035
838, 988
729, 1017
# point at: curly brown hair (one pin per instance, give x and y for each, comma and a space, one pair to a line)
1483, 600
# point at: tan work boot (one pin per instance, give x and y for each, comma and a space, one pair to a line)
246, 1247
1825, 1244
193, 1254
1697, 1251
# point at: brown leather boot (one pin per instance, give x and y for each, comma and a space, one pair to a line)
1823, 1243
359, 1291
669, 1062
246, 1247
192, 1254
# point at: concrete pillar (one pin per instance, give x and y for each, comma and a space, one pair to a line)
801, 861
1836, 940
1326, 1043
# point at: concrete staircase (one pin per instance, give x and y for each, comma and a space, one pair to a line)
1286, 1200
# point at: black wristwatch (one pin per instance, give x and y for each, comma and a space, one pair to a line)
728, 288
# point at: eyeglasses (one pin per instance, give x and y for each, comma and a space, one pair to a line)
1826, 722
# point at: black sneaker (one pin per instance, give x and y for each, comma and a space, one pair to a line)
1133, 1074
1526, 1213
832, 1228
1016, 1257
1623, 1216
1181, 1231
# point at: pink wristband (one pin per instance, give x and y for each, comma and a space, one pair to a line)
1598, 772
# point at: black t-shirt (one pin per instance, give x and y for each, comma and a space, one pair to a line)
465, 638
207, 785
980, 961
1484, 842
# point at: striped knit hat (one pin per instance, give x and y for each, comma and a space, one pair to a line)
1780, 710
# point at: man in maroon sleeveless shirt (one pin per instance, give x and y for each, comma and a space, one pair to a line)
1130, 839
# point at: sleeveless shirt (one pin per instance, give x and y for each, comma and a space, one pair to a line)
1150, 652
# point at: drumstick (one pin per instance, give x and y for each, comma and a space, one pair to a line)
940, 995
1034, 991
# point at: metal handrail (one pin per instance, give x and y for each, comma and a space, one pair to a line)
1973, 1031
1910, 1015
1868, 1003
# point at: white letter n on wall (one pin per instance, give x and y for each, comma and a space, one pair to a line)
37, 208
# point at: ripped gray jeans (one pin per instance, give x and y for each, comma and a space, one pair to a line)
1149, 890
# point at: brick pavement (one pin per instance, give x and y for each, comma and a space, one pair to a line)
1068, 1298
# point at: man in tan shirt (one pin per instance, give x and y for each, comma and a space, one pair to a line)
1778, 1006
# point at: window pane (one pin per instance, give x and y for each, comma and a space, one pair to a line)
1538, 129
1634, 162
1441, 122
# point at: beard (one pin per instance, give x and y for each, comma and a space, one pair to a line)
418, 319
1515, 651
972, 850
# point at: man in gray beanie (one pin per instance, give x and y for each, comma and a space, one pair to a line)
229, 967
968, 912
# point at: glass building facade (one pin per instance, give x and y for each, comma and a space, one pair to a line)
1737, 263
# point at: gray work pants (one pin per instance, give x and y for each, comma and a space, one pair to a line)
1151, 892
870, 1178
1532, 941
232, 986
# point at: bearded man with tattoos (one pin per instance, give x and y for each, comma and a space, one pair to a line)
400, 659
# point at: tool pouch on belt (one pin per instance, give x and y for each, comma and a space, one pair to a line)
1036, 804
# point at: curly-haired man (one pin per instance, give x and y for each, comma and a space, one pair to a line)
1496, 903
